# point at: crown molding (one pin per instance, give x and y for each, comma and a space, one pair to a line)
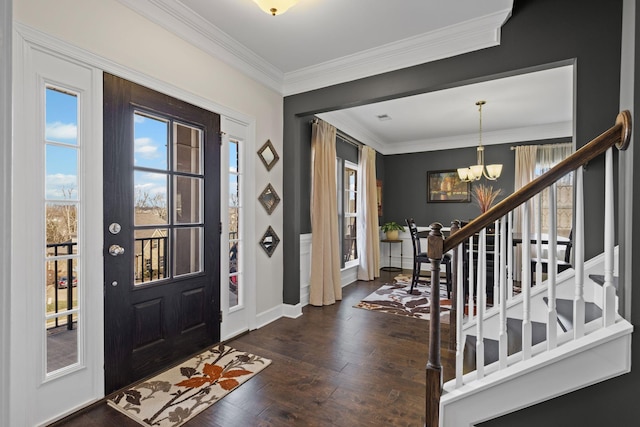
178, 19
468, 36
508, 136
454, 40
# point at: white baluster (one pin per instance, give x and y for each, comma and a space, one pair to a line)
471, 303
503, 294
510, 263
578, 299
482, 292
459, 317
608, 290
552, 313
496, 261
526, 282
538, 221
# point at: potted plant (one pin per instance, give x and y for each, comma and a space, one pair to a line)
391, 229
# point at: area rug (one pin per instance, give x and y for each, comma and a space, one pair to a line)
394, 298
178, 394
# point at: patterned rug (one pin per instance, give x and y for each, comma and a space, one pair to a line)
175, 396
394, 298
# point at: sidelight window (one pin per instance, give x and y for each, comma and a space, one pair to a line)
63, 279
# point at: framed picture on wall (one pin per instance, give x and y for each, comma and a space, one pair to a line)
445, 186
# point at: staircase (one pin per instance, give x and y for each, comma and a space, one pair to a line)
555, 336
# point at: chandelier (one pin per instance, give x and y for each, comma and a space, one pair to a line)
275, 7
477, 171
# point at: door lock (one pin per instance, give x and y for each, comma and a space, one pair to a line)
116, 250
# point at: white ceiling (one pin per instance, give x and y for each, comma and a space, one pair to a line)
323, 42
524, 107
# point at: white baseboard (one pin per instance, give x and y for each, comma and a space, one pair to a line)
292, 311
266, 317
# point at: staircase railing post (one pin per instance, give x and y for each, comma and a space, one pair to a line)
435, 245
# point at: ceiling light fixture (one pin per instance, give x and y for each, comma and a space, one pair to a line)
477, 171
275, 7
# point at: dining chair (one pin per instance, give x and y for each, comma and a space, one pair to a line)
420, 257
561, 264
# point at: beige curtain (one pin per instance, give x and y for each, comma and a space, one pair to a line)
525, 172
325, 287
368, 232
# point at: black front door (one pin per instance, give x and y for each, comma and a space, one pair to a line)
161, 238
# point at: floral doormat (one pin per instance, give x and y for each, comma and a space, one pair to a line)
178, 394
394, 298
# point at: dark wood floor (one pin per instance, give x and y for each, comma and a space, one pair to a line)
334, 366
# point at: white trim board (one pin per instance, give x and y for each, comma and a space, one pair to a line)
6, 64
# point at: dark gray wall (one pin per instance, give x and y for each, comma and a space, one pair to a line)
539, 32
405, 183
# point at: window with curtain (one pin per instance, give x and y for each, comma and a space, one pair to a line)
548, 156
347, 182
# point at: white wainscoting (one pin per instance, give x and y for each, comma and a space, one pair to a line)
347, 275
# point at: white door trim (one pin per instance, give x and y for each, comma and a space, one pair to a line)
6, 63
53, 394
241, 318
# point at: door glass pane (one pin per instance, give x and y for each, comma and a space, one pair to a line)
187, 149
233, 273
234, 163
150, 198
61, 210
60, 291
61, 116
62, 342
61, 228
234, 230
187, 250
150, 255
234, 190
187, 200
61, 173
150, 142
234, 209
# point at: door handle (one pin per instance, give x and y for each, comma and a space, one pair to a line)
116, 250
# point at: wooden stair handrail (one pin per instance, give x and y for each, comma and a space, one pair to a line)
619, 135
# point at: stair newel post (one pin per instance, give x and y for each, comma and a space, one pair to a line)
453, 315
608, 290
503, 343
552, 312
526, 282
435, 248
578, 299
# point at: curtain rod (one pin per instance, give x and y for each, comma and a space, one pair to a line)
513, 147
346, 138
